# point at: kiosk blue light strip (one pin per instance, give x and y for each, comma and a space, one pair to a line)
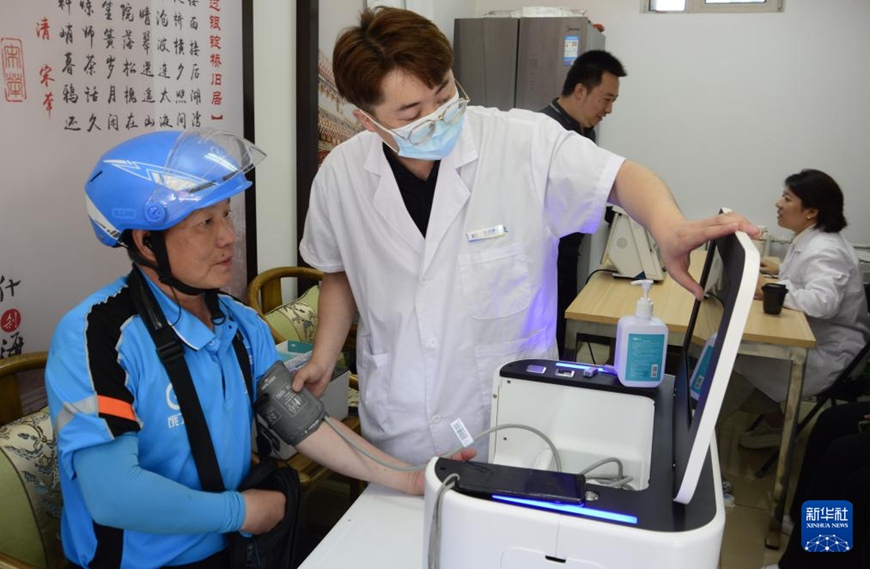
568, 508
588, 368
577, 366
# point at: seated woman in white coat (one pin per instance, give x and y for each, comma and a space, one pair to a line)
821, 273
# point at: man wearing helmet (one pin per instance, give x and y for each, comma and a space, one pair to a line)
131, 489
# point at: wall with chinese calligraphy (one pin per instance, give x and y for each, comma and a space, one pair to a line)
80, 76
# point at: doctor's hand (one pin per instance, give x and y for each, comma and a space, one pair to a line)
678, 240
314, 376
418, 477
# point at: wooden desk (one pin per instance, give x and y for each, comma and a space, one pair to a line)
786, 336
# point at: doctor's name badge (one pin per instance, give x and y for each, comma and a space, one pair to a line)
486, 233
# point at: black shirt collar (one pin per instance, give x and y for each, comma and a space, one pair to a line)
569, 122
417, 194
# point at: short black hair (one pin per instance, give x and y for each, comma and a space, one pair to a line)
818, 190
127, 242
589, 68
387, 40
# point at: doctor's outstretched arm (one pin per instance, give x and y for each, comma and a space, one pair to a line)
648, 201
335, 310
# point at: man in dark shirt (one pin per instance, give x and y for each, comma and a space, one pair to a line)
591, 88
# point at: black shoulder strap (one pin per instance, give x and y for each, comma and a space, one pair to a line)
171, 353
263, 445
244, 363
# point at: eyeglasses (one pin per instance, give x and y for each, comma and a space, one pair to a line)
422, 129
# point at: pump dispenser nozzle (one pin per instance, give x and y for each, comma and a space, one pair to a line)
644, 304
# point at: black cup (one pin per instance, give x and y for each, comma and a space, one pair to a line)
774, 296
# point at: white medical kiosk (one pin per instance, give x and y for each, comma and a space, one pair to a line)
655, 501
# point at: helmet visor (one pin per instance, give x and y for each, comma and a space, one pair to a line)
199, 165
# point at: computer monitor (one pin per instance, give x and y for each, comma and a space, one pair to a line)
717, 322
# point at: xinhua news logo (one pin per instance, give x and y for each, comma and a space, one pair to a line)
826, 526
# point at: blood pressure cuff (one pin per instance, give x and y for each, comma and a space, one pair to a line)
286, 416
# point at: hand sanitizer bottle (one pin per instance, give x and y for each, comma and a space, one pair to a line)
641, 341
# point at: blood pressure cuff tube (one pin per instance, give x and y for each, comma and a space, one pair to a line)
289, 415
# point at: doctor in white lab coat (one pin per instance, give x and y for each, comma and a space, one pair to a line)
440, 225
821, 272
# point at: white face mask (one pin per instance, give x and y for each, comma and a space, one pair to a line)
431, 137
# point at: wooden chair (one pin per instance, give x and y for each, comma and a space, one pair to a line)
10, 398
264, 295
264, 291
27, 456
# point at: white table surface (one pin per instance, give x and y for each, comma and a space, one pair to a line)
383, 529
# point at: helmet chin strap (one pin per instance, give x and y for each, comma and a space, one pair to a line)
164, 271
164, 274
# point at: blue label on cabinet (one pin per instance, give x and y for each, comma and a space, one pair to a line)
571, 49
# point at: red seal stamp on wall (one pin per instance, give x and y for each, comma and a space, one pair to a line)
10, 321
12, 62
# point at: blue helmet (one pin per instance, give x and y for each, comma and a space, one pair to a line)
155, 180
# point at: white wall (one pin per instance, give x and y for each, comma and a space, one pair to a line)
446, 11
725, 106
275, 132
275, 120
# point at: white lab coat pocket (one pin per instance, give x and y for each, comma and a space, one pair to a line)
491, 357
496, 281
374, 371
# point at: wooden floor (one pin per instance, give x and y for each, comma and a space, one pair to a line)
746, 521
